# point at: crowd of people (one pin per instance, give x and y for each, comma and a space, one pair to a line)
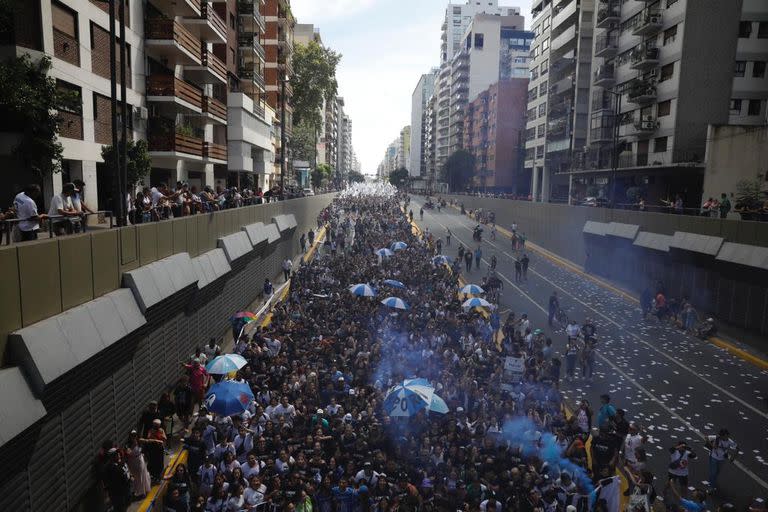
317, 437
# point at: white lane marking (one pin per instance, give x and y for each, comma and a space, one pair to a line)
641, 340
639, 386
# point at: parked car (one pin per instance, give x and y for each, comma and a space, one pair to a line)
309, 192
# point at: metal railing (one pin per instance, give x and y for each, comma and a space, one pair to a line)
7, 226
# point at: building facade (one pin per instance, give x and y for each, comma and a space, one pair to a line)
665, 71
457, 19
425, 88
558, 93
494, 130
75, 35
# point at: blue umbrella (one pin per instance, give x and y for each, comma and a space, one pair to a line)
227, 363
393, 283
399, 246
440, 260
384, 252
362, 290
438, 405
476, 302
407, 399
394, 302
228, 397
472, 289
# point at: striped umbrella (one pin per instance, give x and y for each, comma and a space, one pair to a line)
384, 252
397, 246
476, 302
440, 260
362, 290
472, 289
393, 283
396, 303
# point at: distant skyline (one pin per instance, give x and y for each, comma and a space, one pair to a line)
386, 46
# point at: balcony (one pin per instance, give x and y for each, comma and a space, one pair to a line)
559, 109
210, 71
216, 110
171, 90
250, 11
608, 14
602, 100
648, 23
567, 36
174, 145
208, 26
172, 8
215, 153
646, 125
563, 12
641, 92
557, 128
601, 134
169, 40
283, 42
563, 85
605, 76
606, 47
251, 50
251, 79
643, 58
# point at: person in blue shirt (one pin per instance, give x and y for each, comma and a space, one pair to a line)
345, 497
607, 412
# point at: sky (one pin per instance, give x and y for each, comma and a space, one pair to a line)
386, 46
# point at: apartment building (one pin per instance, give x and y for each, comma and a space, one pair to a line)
345, 150
425, 88
457, 19
489, 42
75, 35
432, 172
558, 93
404, 148
250, 143
331, 127
278, 49
494, 130
666, 70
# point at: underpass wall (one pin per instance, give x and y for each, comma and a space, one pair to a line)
732, 293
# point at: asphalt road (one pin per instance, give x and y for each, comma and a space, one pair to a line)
674, 385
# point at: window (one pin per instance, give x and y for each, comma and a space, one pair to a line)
546, 23
534, 52
479, 41
670, 3
540, 130
740, 68
543, 87
539, 151
758, 69
745, 29
531, 114
231, 21
667, 72
65, 35
544, 67
665, 108
545, 45
660, 144
762, 30
542, 109
754, 108
735, 107
670, 35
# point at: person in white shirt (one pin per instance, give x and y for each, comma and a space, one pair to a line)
721, 449
63, 210
287, 266
572, 329
26, 212
284, 409
78, 200
254, 494
679, 465
252, 467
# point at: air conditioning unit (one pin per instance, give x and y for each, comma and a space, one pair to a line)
140, 113
654, 19
648, 125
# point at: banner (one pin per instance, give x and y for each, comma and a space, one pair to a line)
514, 368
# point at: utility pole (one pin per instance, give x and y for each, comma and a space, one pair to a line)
123, 170
117, 198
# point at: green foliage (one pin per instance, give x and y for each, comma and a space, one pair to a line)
139, 162
29, 101
399, 177
185, 130
313, 80
321, 175
748, 193
303, 143
458, 170
356, 177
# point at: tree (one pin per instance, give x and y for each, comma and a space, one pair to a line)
399, 177
356, 177
313, 80
139, 161
303, 142
458, 169
748, 193
29, 105
321, 175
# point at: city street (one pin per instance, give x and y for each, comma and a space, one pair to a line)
676, 386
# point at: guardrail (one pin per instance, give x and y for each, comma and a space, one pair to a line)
7, 225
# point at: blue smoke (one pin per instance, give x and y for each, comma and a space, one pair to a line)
521, 432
